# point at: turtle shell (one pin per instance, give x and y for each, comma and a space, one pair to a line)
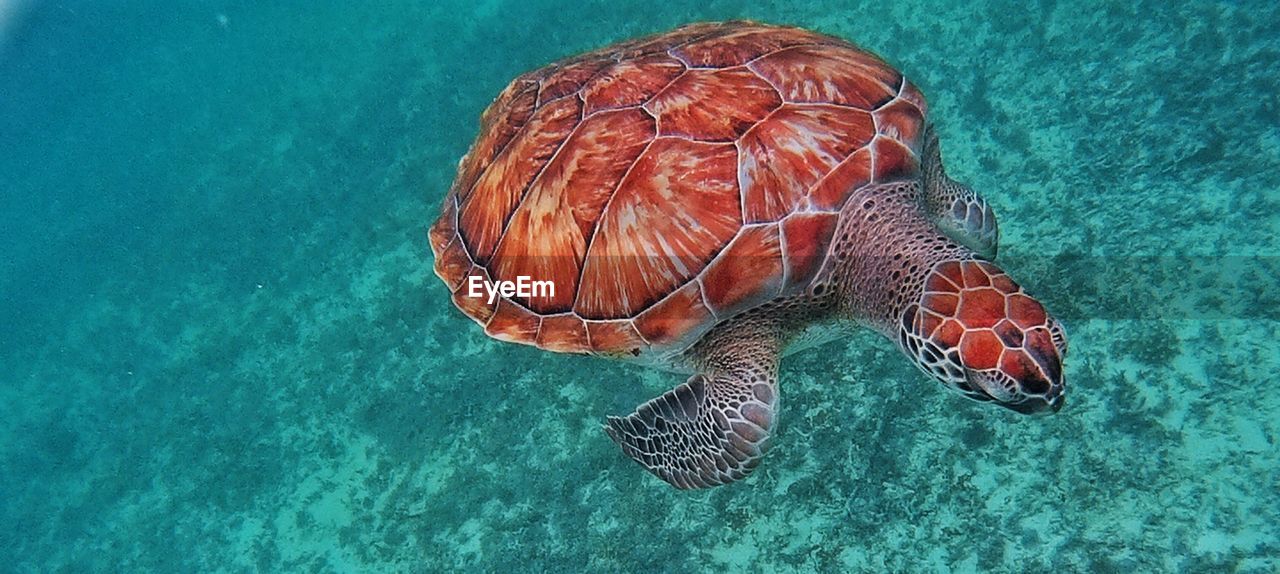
665, 184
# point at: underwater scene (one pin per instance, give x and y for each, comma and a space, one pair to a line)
225, 346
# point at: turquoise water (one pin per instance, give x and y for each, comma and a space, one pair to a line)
222, 347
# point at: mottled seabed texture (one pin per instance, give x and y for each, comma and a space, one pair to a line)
222, 347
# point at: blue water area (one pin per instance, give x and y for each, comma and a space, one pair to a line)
222, 347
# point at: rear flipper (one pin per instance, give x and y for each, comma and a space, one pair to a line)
960, 212
711, 430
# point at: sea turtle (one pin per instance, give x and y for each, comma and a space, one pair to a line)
703, 199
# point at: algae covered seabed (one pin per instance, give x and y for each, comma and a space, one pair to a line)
222, 348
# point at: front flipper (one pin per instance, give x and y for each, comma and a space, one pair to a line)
711, 430
960, 212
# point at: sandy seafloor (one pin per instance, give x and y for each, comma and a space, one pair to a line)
222, 348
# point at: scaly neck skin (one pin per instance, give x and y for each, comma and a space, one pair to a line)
883, 249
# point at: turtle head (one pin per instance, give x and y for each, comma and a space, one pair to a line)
975, 330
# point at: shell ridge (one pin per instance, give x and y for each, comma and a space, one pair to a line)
752, 61
497, 153
715, 28
524, 194
782, 248
702, 292
737, 144
595, 227
723, 248
897, 95
645, 104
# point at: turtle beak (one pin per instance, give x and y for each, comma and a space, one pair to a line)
999, 392
1038, 405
